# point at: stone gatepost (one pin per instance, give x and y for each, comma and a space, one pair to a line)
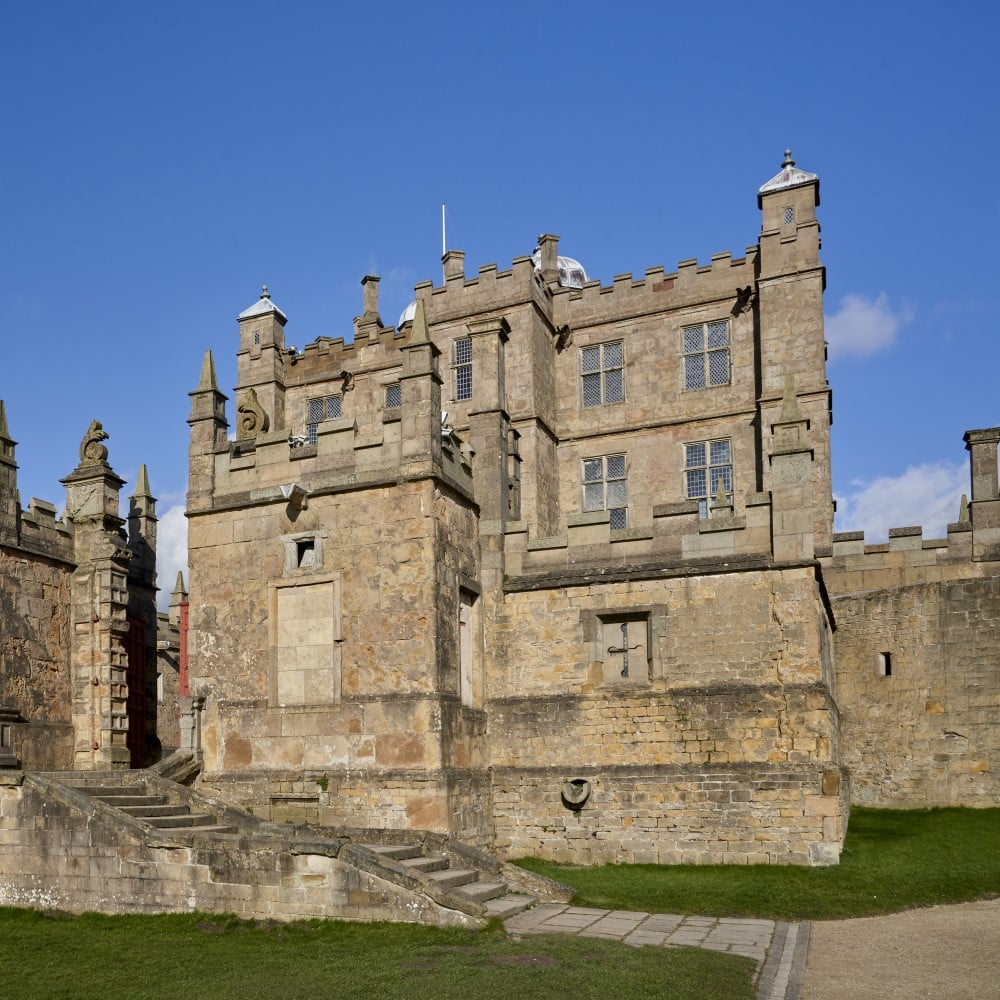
99, 599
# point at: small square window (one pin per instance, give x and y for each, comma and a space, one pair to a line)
393, 396
305, 552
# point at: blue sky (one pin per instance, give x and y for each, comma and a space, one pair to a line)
162, 162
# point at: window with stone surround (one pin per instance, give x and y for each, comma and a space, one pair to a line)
393, 396
706, 355
706, 464
625, 648
319, 409
461, 366
605, 487
602, 373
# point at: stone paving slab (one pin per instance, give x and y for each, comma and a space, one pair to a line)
777, 948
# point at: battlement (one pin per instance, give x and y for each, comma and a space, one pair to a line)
906, 558
42, 533
344, 457
676, 539
369, 348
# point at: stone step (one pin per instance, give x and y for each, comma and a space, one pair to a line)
395, 852
450, 878
144, 811
506, 906
187, 819
482, 891
99, 791
431, 863
117, 801
209, 828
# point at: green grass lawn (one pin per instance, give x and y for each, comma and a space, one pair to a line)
893, 860
201, 957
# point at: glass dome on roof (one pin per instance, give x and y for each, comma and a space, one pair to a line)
571, 272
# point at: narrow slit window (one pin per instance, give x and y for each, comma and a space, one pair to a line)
885, 664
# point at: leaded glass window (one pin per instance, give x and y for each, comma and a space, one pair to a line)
393, 395
706, 464
319, 409
605, 487
461, 354
706, 355
602, 373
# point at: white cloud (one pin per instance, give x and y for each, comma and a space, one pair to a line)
171, 552
863, 326
928, 495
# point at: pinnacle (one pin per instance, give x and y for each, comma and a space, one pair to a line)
207, 381
419, 333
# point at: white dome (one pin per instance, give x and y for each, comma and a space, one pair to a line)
406, 316
571, 272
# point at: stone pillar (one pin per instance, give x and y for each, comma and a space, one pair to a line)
209, 435
420, 387
548, 246
453, 263
191, 709
791, 482
99, 603
8, 716
984, 507
369, 322
8, 483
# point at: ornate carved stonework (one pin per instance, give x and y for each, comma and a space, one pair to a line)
252, 418
92, 452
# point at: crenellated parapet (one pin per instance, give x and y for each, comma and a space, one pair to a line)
677, 540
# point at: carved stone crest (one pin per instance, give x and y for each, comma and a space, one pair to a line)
252, 418
92, 452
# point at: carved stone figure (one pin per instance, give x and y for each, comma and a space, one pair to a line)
92, 452
252, 418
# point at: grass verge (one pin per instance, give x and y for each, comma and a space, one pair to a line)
892, 860
182, 957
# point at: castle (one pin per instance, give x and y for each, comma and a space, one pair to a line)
548, 568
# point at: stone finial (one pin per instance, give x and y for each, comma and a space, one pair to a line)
207, 381
963, 510
92, 451
252, 418
7, 443
264, 293
142, 483
179, 587
419, 333
789, 402
788, 161
721, 503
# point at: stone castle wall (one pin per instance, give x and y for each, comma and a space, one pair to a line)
917, 678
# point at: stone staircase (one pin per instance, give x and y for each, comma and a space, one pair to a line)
491, 897
153, 809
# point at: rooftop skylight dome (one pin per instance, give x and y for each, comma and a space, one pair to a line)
571, 272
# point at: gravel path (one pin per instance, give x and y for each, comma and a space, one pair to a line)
952, 952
